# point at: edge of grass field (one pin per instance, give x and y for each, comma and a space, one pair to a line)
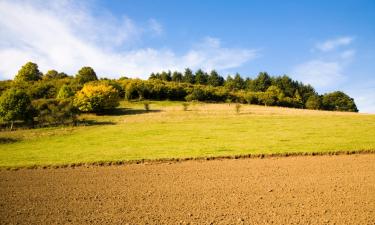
175, 160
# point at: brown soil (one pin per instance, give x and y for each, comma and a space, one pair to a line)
289, 190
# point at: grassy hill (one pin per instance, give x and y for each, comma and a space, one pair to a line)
167, 131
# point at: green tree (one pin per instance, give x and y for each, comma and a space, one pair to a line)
229, 83
166, 76
214, 79
14, 105
53, 74
201, 77
339, 101
176, 76
239, 83
314, 102
86, 74
188, 76
28, 72
261, 83
65, 92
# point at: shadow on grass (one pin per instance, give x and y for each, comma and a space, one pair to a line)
7, 140
126, 111
86, 122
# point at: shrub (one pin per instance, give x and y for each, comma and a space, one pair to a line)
54, 112
185, 106
238, 107
146, 106
96, 98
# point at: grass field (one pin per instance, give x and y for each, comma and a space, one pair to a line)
167, 131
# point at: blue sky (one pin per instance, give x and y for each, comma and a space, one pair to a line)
329, 44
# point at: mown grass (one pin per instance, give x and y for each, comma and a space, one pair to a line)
167, 131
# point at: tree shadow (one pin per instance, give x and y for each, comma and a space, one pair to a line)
85, 122
7, 140
126, 111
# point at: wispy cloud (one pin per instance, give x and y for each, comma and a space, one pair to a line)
319, 73
155, 26
65, 35
334, 43
326, 70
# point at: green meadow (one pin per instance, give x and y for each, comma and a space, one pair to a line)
168, 131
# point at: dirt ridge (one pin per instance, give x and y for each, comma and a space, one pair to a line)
203, 158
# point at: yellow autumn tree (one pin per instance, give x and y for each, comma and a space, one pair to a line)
96, 97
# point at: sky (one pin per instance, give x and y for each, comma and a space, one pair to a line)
328, 44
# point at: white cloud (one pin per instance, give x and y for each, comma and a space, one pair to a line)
318, 73
348, 54
155, 26
334, 43
65, 35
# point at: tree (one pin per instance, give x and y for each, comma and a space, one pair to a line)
96, 98
271, 96
53, 74
28, 72
14, 105
339, 101
201, 77
166, 76
286, 84
229, 83
65, 92
86, 74
261, 83
239, 83
214, 79
188, 76
314, 102
176, 76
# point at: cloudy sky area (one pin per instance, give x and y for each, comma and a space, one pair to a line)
329, 44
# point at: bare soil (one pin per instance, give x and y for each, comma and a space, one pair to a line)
282, 190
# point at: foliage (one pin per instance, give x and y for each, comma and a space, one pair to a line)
238, 107
53, 74
96, 98
314, 102
339, 101
185, 106
14, 105
65, 92
146, 105
86, 74
28, 72
54, 112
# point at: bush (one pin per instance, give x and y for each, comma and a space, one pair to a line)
238, 107
185, 106
96, 98
146, 106
54, 112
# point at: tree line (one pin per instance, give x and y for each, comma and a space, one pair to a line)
56, 98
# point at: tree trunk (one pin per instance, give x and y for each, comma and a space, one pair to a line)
11, 125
